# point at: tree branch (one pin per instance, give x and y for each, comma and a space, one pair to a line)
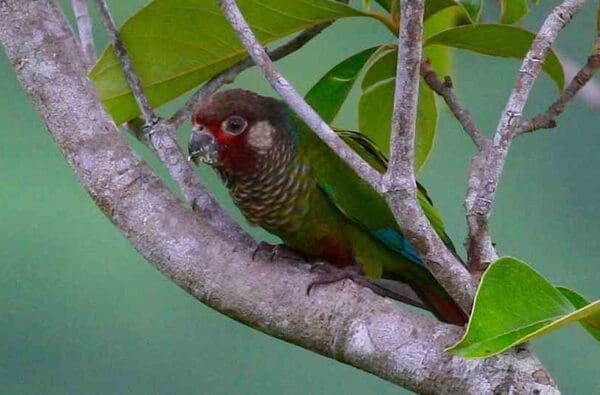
444, 89
488, 164
590, 93
547, 120
84, 27
233, 14
342, 321
133, 80
399, 184
161, 135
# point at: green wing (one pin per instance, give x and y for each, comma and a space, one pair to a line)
354, 197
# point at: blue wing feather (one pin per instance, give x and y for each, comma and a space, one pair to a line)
396, 241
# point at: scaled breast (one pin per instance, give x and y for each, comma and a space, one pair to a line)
276, 197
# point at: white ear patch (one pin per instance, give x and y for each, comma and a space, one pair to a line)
262, 135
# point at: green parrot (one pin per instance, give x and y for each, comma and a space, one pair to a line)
284, 179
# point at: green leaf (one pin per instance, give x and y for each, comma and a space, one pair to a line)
386, 4
513, 11
382, 67
376, 105
470, 8
440, 56
515, 304
329, 94
473, 8
591, 323
176, 45
497, 40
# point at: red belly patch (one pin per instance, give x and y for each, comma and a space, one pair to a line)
336, 251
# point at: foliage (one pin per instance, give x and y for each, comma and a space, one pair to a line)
497, 40
515, 304
514, 10
331, 91
378, 93
176, 45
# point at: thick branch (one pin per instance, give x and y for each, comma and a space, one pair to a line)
340, 321
399, 184
444, 89
84, 28
547, 120
488, 164
292, 98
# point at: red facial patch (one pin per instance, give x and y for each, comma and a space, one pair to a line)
234, 154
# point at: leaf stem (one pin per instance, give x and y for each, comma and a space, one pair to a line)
388, 21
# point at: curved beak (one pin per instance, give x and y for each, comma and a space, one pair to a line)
202, 147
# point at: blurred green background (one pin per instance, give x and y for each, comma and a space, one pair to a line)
81, 312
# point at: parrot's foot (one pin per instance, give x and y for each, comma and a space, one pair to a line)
277, 251
329, 274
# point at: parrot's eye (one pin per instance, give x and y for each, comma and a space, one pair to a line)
234, 124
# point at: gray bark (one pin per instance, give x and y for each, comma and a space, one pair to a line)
487, 166
399, 183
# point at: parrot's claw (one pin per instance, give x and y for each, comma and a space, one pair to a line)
277, 250
320, 267
330, 274
264, 246
316, 267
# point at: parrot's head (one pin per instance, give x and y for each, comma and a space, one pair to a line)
233, 129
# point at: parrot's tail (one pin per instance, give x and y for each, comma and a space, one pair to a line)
427, 294
441, 304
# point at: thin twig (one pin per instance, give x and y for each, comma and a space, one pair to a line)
84, 28
446, 91
233, 14
399, 184
547, 120
161, 136
590, 93
135, 84
161, 139
488, 164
